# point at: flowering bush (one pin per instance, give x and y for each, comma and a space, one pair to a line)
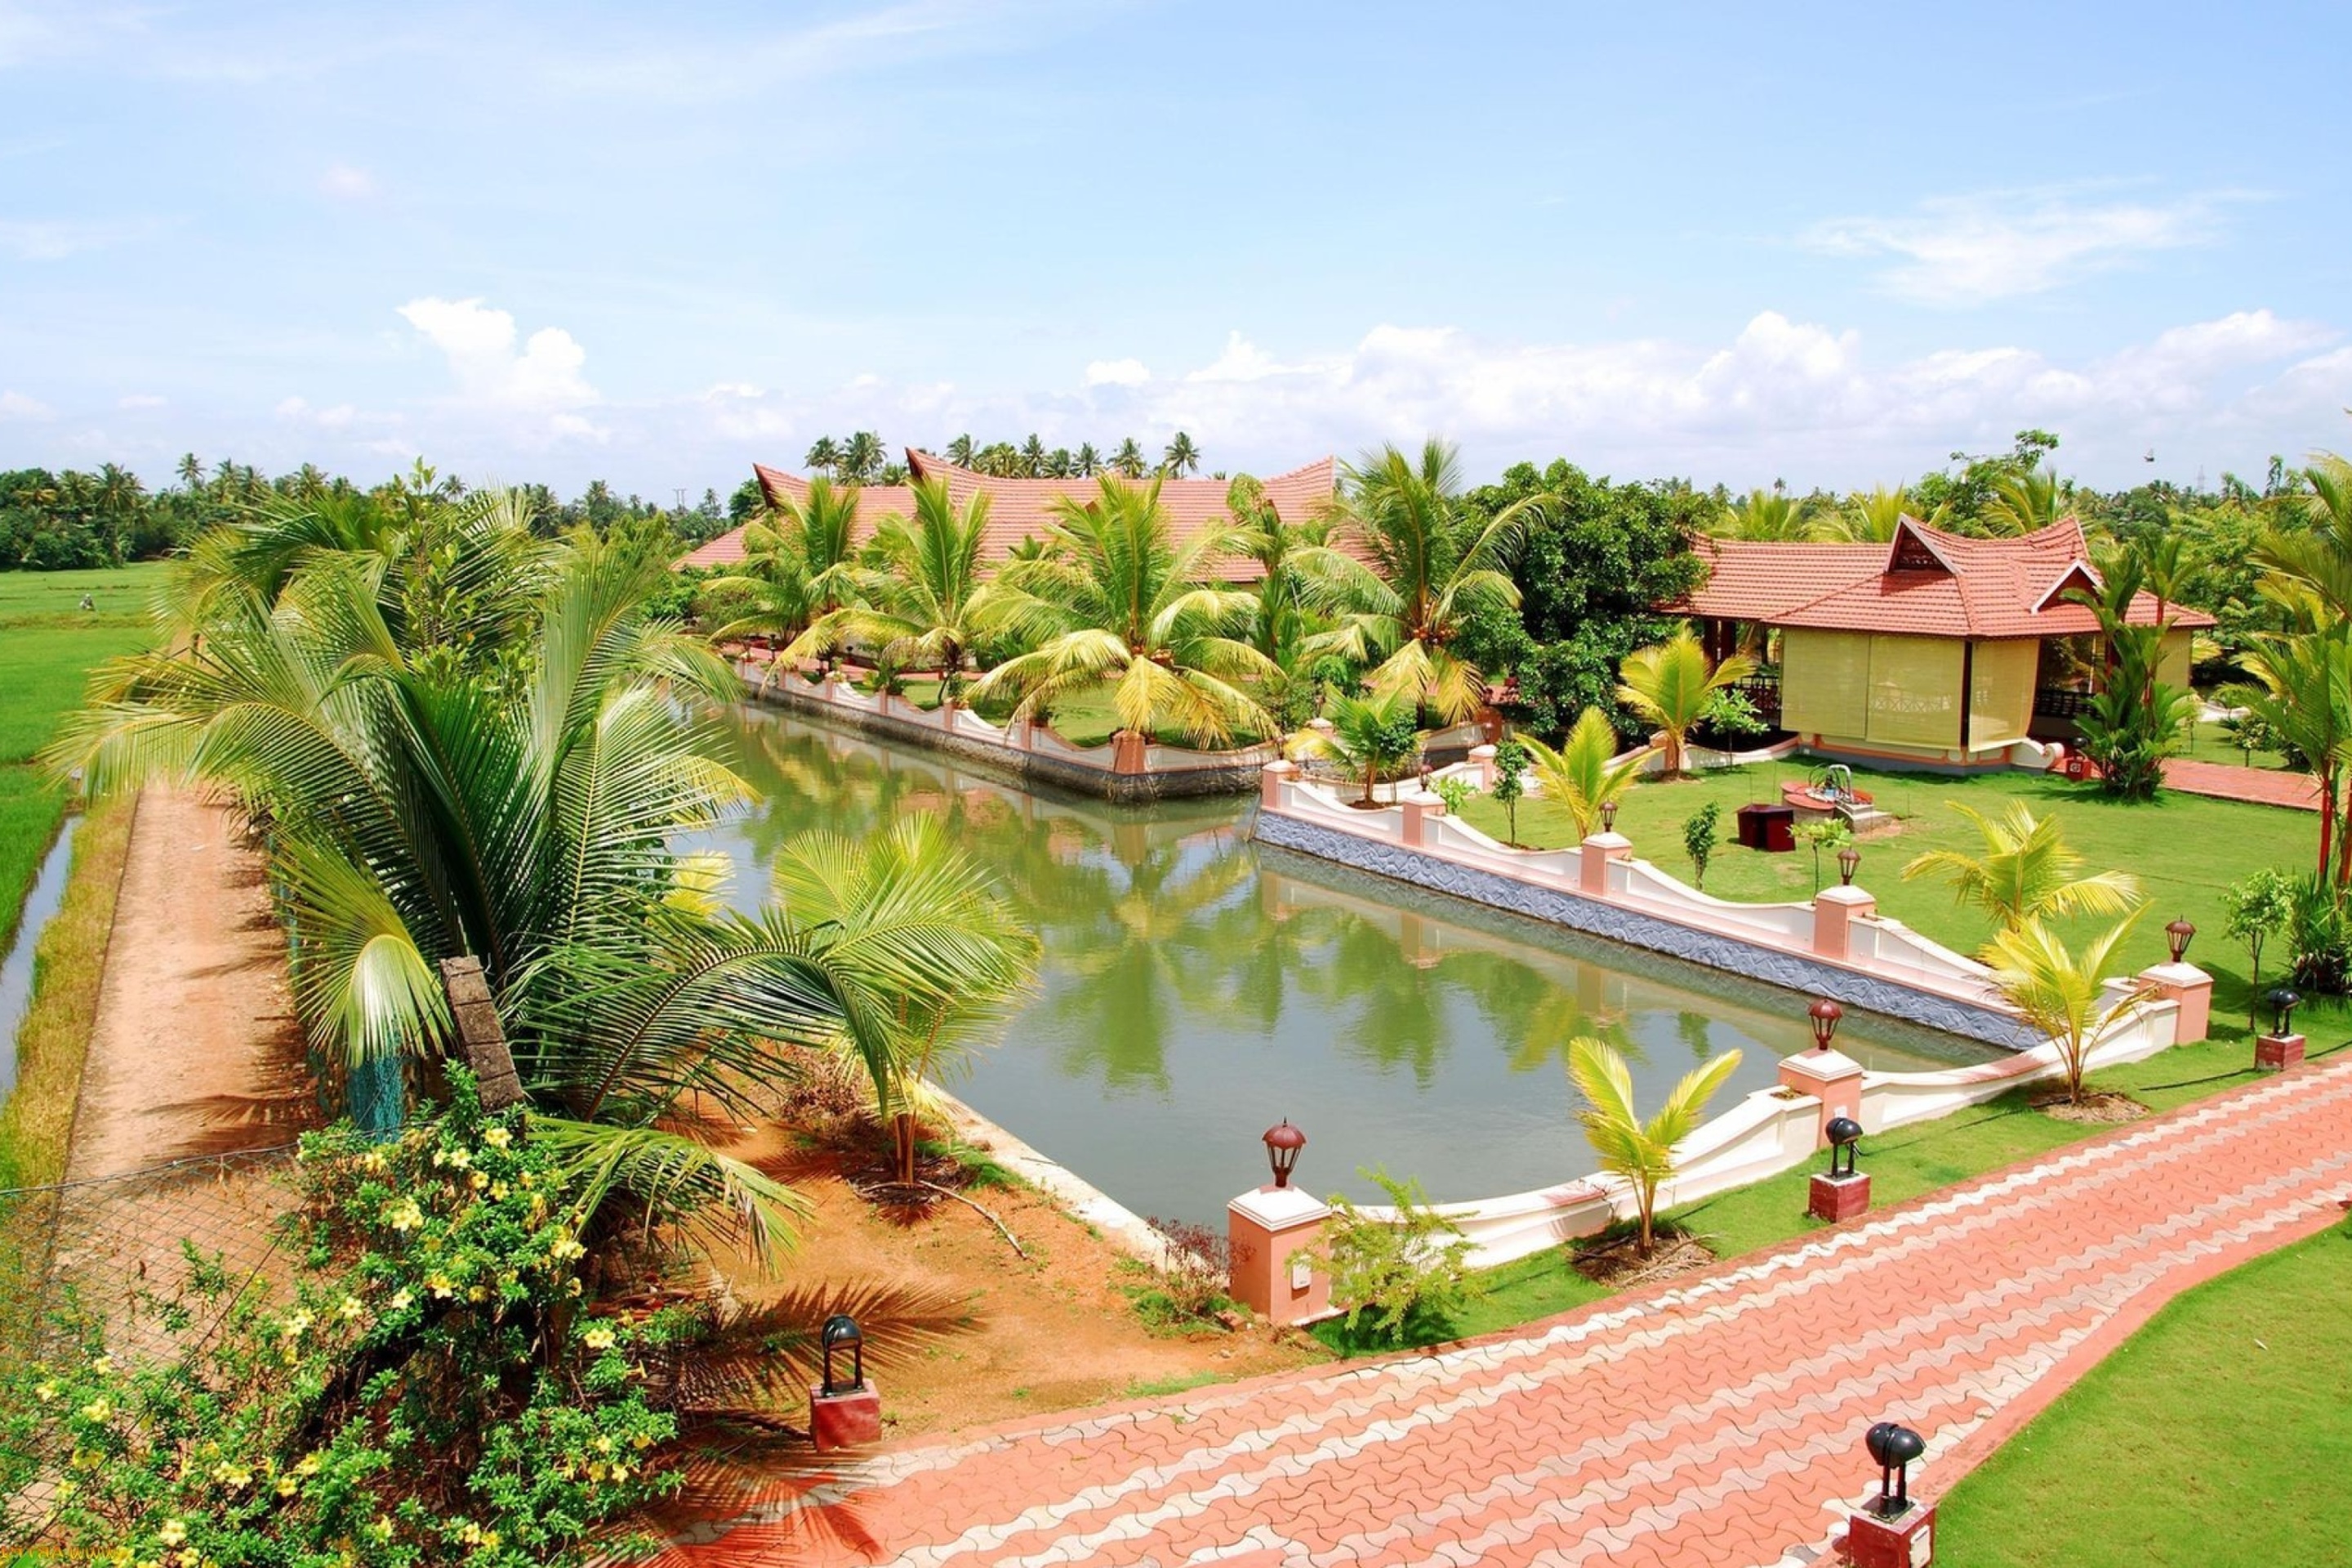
426, 1389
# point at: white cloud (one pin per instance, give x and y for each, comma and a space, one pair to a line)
1967, 250
1116, 373
338, 417
346, 183
136, 400
16, 406
538, 383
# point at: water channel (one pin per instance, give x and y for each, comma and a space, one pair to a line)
42, 901
1197, 987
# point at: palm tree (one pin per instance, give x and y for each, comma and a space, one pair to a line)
2301, 692
861, 456
1087, 461
191, 469
2024, 503
959, 451
1870, 517
1120, 602
1372, 737
1409, 565
1767, 514
1058, 463
1671, 685
850, 896
798, 568
1586, 774
1640, 1151
1033, 457
925, 607
824, 455
2060, 992
1129, 458
1266, 537
1182, 456
2025, 872
2314, 551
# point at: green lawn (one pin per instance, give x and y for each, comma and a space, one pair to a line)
2215, 1438
47, 646
1083, 721
2185, 849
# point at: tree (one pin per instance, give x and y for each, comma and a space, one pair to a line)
2025, 872
1129, 458
2060, 992
1698, 839
1640, 1151
1372, 737
2258, 908
2135, 721
928, 605
1182, 456
1510, 784
1586, 774
1120, 602
1870, 517
1033, 457
2300, 694
1408, 566
798, 569
1768, 514
861, 458
959, 451
1088, 462
1671, 685
2024, 502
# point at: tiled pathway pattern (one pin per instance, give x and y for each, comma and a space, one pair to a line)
2263, 786
1707, 1424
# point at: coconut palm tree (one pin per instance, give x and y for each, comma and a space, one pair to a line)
2301, 691
1088, 460
1372, 737
2023, 504
1870, 517
1671, 685
1586, 772
2314, 551
1118, 602
1640, 1151
799, 567
861, 456
1033, 457
1265, 536
1182, 456
2062, 992
1767, 514
1129, 458
1409, 564
926, 606
824, 455
959, 451
2025, 872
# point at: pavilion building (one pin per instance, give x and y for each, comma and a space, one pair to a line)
1936, 651
1023, 510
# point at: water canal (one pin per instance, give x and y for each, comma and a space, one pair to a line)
1197, 987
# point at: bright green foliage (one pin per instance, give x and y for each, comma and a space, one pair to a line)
2259, 909
2025, 872
1457, 793
2300, 694
1511, 760
1417, 564
2059, 991
924, 605
1119, 604
1831, 833
2136, 721
1395, 1274
1764, 514
1698, 838
1643, 1152
800, 565
1586, 772
1673, 685
2320, 928
1372, 737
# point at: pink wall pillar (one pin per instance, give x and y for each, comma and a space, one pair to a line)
1270, 782
1598, 851
1834, 911
2193, 989
1127, 753
1416, 809
1831, 1077
1271, 1233
1484, 757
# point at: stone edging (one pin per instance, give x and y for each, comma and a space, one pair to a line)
1638, 929
1071, 1192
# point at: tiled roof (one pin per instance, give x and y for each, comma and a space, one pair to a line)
1021, 509
1927, 582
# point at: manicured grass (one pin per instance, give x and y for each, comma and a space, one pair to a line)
2185, 849
2215, 1438
47, 646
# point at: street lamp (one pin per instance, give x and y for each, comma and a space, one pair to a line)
1825, 1014
1894, 1447
840, 1334
1849, 862
2178, 936
1844, 1133
2283, 1000
1608, 816
1282, 1146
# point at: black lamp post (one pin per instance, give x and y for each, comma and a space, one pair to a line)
1608, 816
2283, 1000
1849, 862
840, 1334
2178, 936
1894, 1447
1825, 1014
1844, 1133
1282, 1146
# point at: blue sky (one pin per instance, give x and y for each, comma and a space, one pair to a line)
1823, 244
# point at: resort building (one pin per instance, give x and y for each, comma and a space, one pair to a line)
1936, 649
1021, 509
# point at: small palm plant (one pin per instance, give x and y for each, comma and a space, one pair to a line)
1640, 1151
1673, 684
2059, 992
1585, 773
2025, 872
1372, 737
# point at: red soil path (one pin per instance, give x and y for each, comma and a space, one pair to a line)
2226, 780
1710, 1422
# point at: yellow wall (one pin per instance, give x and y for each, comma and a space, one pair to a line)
2172, 663
2000, 691
1859, 686
1825, 682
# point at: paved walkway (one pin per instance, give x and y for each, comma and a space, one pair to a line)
1706, 1424
2227, 780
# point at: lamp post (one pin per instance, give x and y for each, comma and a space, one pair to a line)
843, 1412
1849, 862
2178, 936
1608, 816
1845, 1132
841, 1333
1824, 1015
2280, 1048
1841, 1192
1894, 1447
1283, 1143
1891, 1530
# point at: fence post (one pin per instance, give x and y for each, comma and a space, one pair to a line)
480, 1034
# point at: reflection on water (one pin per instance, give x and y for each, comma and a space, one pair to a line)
42, 901
1197, 987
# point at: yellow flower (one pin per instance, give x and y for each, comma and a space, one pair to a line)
102, 1364
603, 1445
67, 1489
381, 1529
458, 1158
236, 1477
620, 1472
477, 1181
295, 1325
439, 1284
173, 1533
45, 1392
497, 1191
572, 1285
477, 1293
599, 1339
351, 1307
403, 1216
97, 1410
641, 1441
567, 1248
309, 1466
498, 1137
400, 1301
287, 1485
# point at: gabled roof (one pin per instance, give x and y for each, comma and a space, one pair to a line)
1926, 583
1021, 509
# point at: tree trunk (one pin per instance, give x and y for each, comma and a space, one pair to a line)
902, 1136
2326, 779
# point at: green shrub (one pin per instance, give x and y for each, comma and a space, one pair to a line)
1397, 1278
1698, 838
2322, 936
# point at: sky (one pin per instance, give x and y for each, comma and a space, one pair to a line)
1828, 244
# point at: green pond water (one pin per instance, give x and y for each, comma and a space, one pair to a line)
1196, 987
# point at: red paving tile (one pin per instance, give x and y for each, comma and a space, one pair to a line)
2227, 780
1708, 1422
